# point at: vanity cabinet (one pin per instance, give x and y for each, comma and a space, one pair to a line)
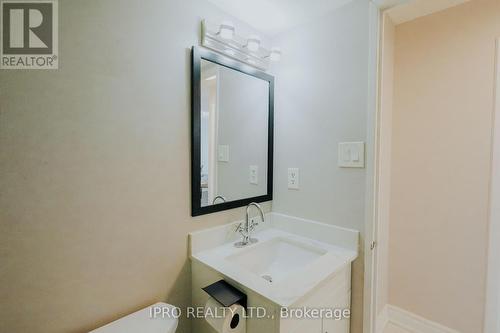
334, 294
299, 272
340, 326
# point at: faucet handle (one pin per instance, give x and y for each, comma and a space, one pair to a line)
239, 228
253, 225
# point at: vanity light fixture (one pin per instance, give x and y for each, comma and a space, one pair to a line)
253, 43
226, 30
223, 39
275, 54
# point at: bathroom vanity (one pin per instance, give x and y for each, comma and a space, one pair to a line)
299, 265
294, 274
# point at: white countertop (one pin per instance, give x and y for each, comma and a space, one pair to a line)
296, 284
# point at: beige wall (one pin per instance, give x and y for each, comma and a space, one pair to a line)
95, 168
444, 74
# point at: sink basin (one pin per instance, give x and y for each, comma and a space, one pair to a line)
275, 259
293, 256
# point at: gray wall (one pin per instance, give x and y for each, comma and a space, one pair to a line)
95, 168
243, 125
321, 100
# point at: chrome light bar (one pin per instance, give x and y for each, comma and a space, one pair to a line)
223, 39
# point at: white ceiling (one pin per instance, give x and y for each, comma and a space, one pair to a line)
384, 4
274, 16
413, 9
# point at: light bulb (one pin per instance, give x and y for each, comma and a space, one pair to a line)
226, 30
253, 43
275, 54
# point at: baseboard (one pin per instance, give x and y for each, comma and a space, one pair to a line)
382, 320
409, 321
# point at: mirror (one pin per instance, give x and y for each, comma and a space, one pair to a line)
232, 133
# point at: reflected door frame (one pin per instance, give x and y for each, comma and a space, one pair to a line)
213, 130
213, 142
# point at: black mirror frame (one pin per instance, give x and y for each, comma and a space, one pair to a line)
197, 54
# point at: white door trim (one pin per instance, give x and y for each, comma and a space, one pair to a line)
492, 319
374, 322
372, 147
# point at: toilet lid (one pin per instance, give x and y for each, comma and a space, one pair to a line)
156, 318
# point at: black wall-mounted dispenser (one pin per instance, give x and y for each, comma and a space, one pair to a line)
226, 294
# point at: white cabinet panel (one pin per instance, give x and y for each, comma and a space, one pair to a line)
294, 324
338, 325
333, 295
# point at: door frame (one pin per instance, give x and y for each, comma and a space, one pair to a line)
492, 320
374, 324
372, 172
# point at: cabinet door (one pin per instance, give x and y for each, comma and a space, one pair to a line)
341, 325
336, 326
301, 325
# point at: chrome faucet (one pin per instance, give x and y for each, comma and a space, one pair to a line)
246, 228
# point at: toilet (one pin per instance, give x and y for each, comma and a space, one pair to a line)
156, 318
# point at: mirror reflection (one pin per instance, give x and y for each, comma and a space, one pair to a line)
234, 134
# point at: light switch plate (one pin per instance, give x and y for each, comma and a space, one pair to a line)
293, 178
351, 155
254, 174
223, 153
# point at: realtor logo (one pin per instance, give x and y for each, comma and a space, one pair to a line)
29, 38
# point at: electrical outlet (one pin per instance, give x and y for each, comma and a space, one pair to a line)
254, 174
293, 178
223, 153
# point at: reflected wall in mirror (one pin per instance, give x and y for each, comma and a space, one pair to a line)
232, 133
234, 117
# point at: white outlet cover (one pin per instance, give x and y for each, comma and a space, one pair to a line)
223, 153
293, 178
254, 174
